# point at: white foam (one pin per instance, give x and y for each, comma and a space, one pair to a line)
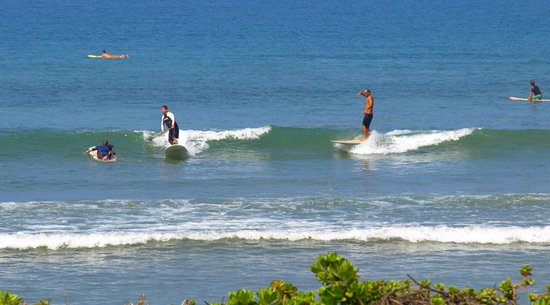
196, 141
413, 234
400, 141
76, 240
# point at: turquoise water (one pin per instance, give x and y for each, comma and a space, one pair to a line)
454, 174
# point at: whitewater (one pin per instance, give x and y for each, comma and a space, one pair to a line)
460, 220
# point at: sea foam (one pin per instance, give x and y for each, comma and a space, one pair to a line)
196, 141
412, 234
401, 141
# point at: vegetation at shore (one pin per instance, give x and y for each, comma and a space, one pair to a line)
341, 285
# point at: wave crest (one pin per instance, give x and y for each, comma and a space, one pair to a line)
401, 141
196, 141
412, 234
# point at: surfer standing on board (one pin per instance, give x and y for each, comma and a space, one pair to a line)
169, 120
367, 112
534, 95
105, 54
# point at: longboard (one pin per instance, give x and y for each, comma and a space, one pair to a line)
93, 154
99, 56
176, 152
513, 98
347, 142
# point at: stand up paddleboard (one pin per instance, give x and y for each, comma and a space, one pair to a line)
347, 142
513, 98
99, 56
93, 154
176, 152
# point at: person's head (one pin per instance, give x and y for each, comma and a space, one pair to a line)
105, 142
164, 109
532, 82
366, 92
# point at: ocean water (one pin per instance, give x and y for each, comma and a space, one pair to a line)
452, 185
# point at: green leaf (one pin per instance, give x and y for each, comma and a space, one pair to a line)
8, 298
525, 270
241, 297
437, 300
507, 288
267, 296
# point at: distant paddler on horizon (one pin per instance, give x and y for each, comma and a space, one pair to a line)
107, 55
535, 95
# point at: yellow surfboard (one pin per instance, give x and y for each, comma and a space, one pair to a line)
93, 154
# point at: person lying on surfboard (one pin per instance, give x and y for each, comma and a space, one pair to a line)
104, 151
105, 54
169, 119
367, 112
534, 95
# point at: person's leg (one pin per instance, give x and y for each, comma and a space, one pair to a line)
366, 125
171, 136
101, 156
176, 133
365, 132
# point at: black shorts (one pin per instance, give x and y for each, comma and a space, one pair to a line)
367, 119
174, 133
101, 156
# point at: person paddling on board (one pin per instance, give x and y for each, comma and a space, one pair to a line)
367, 112
169, 120
534, 95
104, 151
105, 54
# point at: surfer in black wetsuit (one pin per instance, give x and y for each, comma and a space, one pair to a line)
169, 120
534, 95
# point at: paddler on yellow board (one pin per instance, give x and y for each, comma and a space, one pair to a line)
104, 151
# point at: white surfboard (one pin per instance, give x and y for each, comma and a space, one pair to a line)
347, 142
93, 154
176, 152
513, 98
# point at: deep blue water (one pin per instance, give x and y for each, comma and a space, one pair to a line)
454, 173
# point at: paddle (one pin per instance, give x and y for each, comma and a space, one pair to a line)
156, 135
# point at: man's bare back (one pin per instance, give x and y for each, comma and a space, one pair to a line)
105, 54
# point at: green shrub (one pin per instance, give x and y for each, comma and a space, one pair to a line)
8, 298
340, 285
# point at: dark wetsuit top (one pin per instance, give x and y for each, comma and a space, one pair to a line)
103, 150
535, 89
169, 119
